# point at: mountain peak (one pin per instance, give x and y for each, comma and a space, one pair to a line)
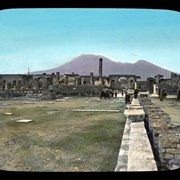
141, 61
87, 63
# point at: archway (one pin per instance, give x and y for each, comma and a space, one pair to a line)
131, 81
122, 83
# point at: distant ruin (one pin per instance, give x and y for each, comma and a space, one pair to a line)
56, 84
12, 85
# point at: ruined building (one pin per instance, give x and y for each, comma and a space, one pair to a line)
75, 84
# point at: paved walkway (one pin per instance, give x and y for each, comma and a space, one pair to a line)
170, 106
140, 155
135, 153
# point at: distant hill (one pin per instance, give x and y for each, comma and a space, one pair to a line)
86, 63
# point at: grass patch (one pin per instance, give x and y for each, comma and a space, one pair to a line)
64, 140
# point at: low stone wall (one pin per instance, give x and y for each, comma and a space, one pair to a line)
165, 136
135, 153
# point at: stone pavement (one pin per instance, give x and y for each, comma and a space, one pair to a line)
135, 153
140, 156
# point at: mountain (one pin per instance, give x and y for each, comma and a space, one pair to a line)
86, 63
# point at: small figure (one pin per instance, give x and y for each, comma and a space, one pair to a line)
122, 93
115, 94
162, 94
127, 98
135, 93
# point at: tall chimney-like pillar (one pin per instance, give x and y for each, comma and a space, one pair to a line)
100, 68
91, 78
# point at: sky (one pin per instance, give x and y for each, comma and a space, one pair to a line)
45, 38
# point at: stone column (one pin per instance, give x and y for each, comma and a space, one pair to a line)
91, 79
82, 81
6, 86
100, 70
154, 89
154, 94
135, 85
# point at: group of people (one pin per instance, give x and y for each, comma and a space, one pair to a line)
128, 97
108, 94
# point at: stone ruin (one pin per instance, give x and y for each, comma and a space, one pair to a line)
155, 86
52, 86
163, 134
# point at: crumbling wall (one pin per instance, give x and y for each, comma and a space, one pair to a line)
165, 136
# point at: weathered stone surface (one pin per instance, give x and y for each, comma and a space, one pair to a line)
173, 145
169, 156
134, 111
163, 150
173, 139
155, 116
168, 139
136, 149
135, 102
125, 137
140, 156
173, 164
141, 165
123, 152
177, 156
173, 151
125, 147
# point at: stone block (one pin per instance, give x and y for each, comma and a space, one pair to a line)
135, 102
173, 139
168, 156
135, 115
177, 156
173, 151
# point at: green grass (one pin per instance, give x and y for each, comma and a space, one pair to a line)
63, 140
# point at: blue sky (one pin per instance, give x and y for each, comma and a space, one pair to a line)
41, 39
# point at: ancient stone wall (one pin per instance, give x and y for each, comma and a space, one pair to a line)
142, 85
165, 136
135, 153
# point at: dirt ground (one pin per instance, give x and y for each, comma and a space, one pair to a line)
59, 139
